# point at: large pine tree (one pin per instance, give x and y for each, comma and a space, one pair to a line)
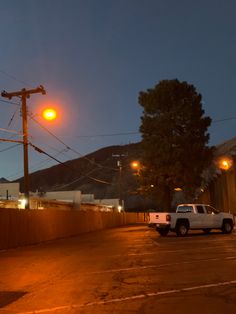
174, 139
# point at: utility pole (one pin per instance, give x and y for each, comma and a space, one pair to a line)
119, 165
24, 94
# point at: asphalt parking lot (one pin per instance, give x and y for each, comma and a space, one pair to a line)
123, 270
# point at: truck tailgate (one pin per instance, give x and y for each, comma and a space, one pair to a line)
158, 218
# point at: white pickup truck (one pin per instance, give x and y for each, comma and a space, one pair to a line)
192, 216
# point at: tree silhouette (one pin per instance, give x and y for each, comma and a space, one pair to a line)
174, 140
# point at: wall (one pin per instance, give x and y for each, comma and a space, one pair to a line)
71, 196
26, 227
221, 192
87, 198
113, 202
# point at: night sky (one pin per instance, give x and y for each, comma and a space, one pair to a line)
94, 57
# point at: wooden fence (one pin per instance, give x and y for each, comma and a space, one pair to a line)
26, 227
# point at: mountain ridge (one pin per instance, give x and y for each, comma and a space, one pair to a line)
96, 173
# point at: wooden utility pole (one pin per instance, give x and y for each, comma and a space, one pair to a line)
24, 94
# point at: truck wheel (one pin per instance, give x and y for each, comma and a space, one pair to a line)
181, 229
163, 232
206, 231
227, 226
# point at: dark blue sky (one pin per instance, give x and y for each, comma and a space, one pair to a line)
94, 57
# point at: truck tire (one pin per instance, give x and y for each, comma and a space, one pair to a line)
163, 232
181, 229
227, 226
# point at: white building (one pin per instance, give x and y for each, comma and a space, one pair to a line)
9, 191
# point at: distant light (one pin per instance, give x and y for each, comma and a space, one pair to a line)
119, 208
225, 163
22, 203
152, 185
49, 114
178, 189
135, 164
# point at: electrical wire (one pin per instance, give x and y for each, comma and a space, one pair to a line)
36, 166
8, 148
222, 120
64, 164
78, 179
14, 78
69, 148
9, 102
107, 135
10, 131
129, 133
12, 117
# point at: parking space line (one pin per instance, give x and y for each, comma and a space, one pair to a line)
159, 266
197, 239
176, 251
131, 298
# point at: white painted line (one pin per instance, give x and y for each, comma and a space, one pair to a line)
130, 298
140, 245
197, 239
159, 266
176, 251
134, 254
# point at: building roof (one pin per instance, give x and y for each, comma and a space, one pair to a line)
226, 148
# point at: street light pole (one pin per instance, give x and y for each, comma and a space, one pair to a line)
23, 94
25, 148
119, 164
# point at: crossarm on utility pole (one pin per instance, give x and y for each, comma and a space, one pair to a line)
24, 94
12, 141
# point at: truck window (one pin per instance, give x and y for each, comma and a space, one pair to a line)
200, 209
184, 209
211, 210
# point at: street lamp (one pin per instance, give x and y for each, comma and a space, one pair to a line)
49, 114
224, 163
135, 164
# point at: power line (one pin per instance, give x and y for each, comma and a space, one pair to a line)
14, 78
80, 178
20, 173
123, 133
37, 165
9, 102
68, 147
107, 135
10, 131
8, 148
12, 117
65, 164
222, 120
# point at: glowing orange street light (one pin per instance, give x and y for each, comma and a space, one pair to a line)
49, 114
225, 163
135, 164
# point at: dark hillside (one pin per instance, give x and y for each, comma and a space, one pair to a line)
96, 173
